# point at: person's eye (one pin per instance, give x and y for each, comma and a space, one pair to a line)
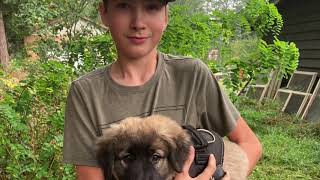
153, 7
122, 5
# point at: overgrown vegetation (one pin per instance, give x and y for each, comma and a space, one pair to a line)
31, 115
244, 54
33, 93
291, 148
189, 35
83, 53
42, 17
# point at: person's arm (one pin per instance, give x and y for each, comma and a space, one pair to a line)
89, 173
248, 141
80, 135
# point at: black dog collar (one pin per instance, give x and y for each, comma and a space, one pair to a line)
205, 143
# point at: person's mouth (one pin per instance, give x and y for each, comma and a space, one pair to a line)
138, 39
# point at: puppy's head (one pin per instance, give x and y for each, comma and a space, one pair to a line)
151, 148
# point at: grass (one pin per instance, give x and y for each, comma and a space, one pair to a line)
291, 148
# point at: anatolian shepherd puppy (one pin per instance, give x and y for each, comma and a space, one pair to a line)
155, 148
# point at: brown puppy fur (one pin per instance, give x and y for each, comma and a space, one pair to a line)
154, 148
236, 162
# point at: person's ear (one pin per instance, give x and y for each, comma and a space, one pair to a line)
103, 13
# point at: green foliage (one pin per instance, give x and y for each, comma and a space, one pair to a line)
258, 18
249, 59
42, 17
244, 56
88, 53
233, 26
82, 52
188, 35
31, 113
290, 147
286, 55
241, 62
32, 110
263, 17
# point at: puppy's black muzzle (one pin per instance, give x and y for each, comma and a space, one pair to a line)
205, 143
142, 171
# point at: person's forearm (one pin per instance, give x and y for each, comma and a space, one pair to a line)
248, 141
89, 173
253, 151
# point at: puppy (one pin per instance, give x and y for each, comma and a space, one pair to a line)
154, 148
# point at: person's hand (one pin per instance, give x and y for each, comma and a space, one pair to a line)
205, 175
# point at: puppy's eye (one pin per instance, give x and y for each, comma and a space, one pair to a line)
128, 158
155, 158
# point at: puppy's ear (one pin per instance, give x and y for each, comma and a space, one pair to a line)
179, 153
105, 156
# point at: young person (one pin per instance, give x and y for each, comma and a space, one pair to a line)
143, 81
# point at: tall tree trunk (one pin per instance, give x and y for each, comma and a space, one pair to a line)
4, 55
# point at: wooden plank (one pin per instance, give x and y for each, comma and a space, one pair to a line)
309, 63
311, 108
304, 73
298, 7
309, 44
310, 54
294, 18
306, 35
291, 17
302, 27
288, 91
311, 69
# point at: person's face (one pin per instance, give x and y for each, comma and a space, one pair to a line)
135, 25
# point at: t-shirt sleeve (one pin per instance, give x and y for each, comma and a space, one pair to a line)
215, 110
79, 131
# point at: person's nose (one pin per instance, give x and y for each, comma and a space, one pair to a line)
138, 19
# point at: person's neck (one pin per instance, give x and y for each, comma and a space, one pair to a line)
134, 72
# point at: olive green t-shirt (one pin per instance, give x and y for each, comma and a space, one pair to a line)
181, 88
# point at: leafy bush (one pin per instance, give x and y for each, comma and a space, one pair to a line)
82, 52
247, 59
263, 17
189, 34
285, 57
32, 110
88, 53
26, 17
31, 131
244, 55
